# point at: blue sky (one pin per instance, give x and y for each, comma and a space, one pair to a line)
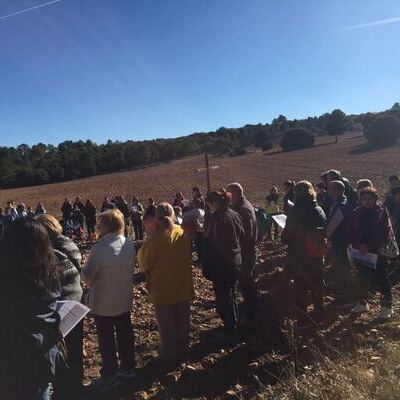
130, 69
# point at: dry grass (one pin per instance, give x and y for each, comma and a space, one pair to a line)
366, 374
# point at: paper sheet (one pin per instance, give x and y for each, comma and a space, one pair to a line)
71, 313
280, 219
368, 260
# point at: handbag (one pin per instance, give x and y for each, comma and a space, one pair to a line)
390, 249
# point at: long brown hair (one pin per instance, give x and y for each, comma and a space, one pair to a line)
28, 263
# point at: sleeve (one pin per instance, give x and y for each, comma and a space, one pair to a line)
351, 233
91, 268
381, 233
147, 256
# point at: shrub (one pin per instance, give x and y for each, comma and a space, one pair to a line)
383, 131
238, 151
266, 146
297, 138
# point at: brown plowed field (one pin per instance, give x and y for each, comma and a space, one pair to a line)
257, 171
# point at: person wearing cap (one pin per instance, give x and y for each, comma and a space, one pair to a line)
247, 214
336, 234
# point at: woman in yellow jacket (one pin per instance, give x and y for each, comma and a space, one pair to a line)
166, 258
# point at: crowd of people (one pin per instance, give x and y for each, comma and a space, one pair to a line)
41, 265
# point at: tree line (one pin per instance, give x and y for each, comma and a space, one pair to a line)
40, 164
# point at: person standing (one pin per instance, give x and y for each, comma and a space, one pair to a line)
222, 256
66, 210
272, 208
350, 192
247, 282
368, 231
304, 235
123, 206
193, 224
11, 211
137, 212
288, 197
68, 385
166, 259
40, 209
394, 184
109, 275
197, 194
336, 235
89, 211
30, 355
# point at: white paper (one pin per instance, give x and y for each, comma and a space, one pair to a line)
280, 219
71, 313
290, 203
367, 260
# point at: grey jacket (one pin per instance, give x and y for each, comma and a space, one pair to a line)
69, 263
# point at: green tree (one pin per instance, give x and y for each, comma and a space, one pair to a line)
384, 131
336, 124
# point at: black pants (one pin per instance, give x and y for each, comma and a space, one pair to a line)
199, 244
226, 303
247, 285
68, 385
138, 228
343, 280
307, 274
115, 333
368, 280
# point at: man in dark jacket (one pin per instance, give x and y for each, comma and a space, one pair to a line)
349, 191
222, 256
247, 214
66, 210
336, 234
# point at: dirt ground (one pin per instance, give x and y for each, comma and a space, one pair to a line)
263, 354
260, 358
256, 170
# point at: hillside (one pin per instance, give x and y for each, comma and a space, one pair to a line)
256, 170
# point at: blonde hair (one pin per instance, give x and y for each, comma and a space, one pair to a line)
112, 221
304, 190
53, 227
165, 215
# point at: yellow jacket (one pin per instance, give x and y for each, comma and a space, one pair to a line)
167, 262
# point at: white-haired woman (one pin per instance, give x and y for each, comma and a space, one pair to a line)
109, 274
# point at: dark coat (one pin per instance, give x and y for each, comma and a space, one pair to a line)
223, 238
29, 352
69, 262
249, 221
339, 237
378, 229
304, 220
90, 215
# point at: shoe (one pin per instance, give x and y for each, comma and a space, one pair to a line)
105, 383
127, 374
360, 308
385, 313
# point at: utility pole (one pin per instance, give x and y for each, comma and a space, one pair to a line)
207, 172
